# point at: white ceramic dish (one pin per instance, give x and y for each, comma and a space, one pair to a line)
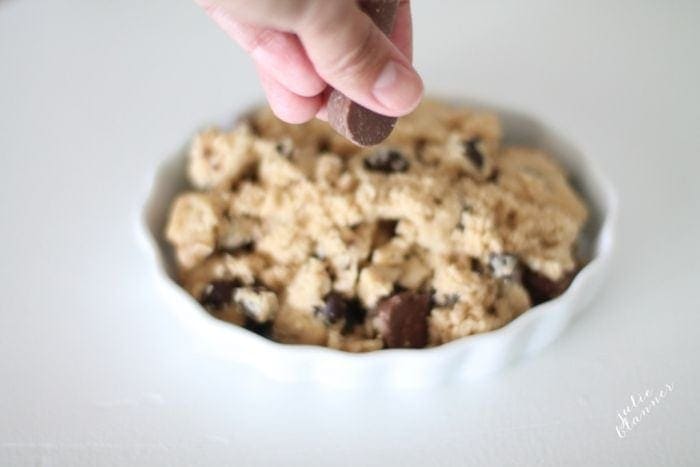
467, 358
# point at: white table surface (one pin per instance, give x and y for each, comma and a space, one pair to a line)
95, 371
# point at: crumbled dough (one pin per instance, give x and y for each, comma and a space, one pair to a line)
290, 214
192, 228
219, 159
260, 305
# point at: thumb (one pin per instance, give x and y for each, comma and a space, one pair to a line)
353, 55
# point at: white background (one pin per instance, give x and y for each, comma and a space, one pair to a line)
95, 371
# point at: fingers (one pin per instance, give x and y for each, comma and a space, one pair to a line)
335, 43
351, 54
279, 53
402, 35
322, 113
283, 56
288, 106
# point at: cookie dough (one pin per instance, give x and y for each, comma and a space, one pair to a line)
439, 233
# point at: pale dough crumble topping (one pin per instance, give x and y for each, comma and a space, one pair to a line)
440, 232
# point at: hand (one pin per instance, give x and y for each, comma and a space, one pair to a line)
301, 47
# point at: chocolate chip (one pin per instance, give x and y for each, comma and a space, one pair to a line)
385, 231
472, 149
261, 329
387, 226
503, 265
250, 174
386, 161
334, 309
382, 13
354, 315
476, 266
360, 125
542, 288
402, 319
337, 308
218, 294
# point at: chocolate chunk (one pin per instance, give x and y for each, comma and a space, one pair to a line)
359, 124
385, 231
386, 161
503, 265
402, 319
542, 288
261, 329
354, 315
387, 227
218, 294
472, 149
334, 309
382, 12
337, 308
476, 266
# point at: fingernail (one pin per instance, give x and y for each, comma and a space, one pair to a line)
398, 88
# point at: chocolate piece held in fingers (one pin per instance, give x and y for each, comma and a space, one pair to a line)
359, 124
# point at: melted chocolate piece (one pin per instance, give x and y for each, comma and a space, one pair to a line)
362, 126
359, 124
402, 319
473, 152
